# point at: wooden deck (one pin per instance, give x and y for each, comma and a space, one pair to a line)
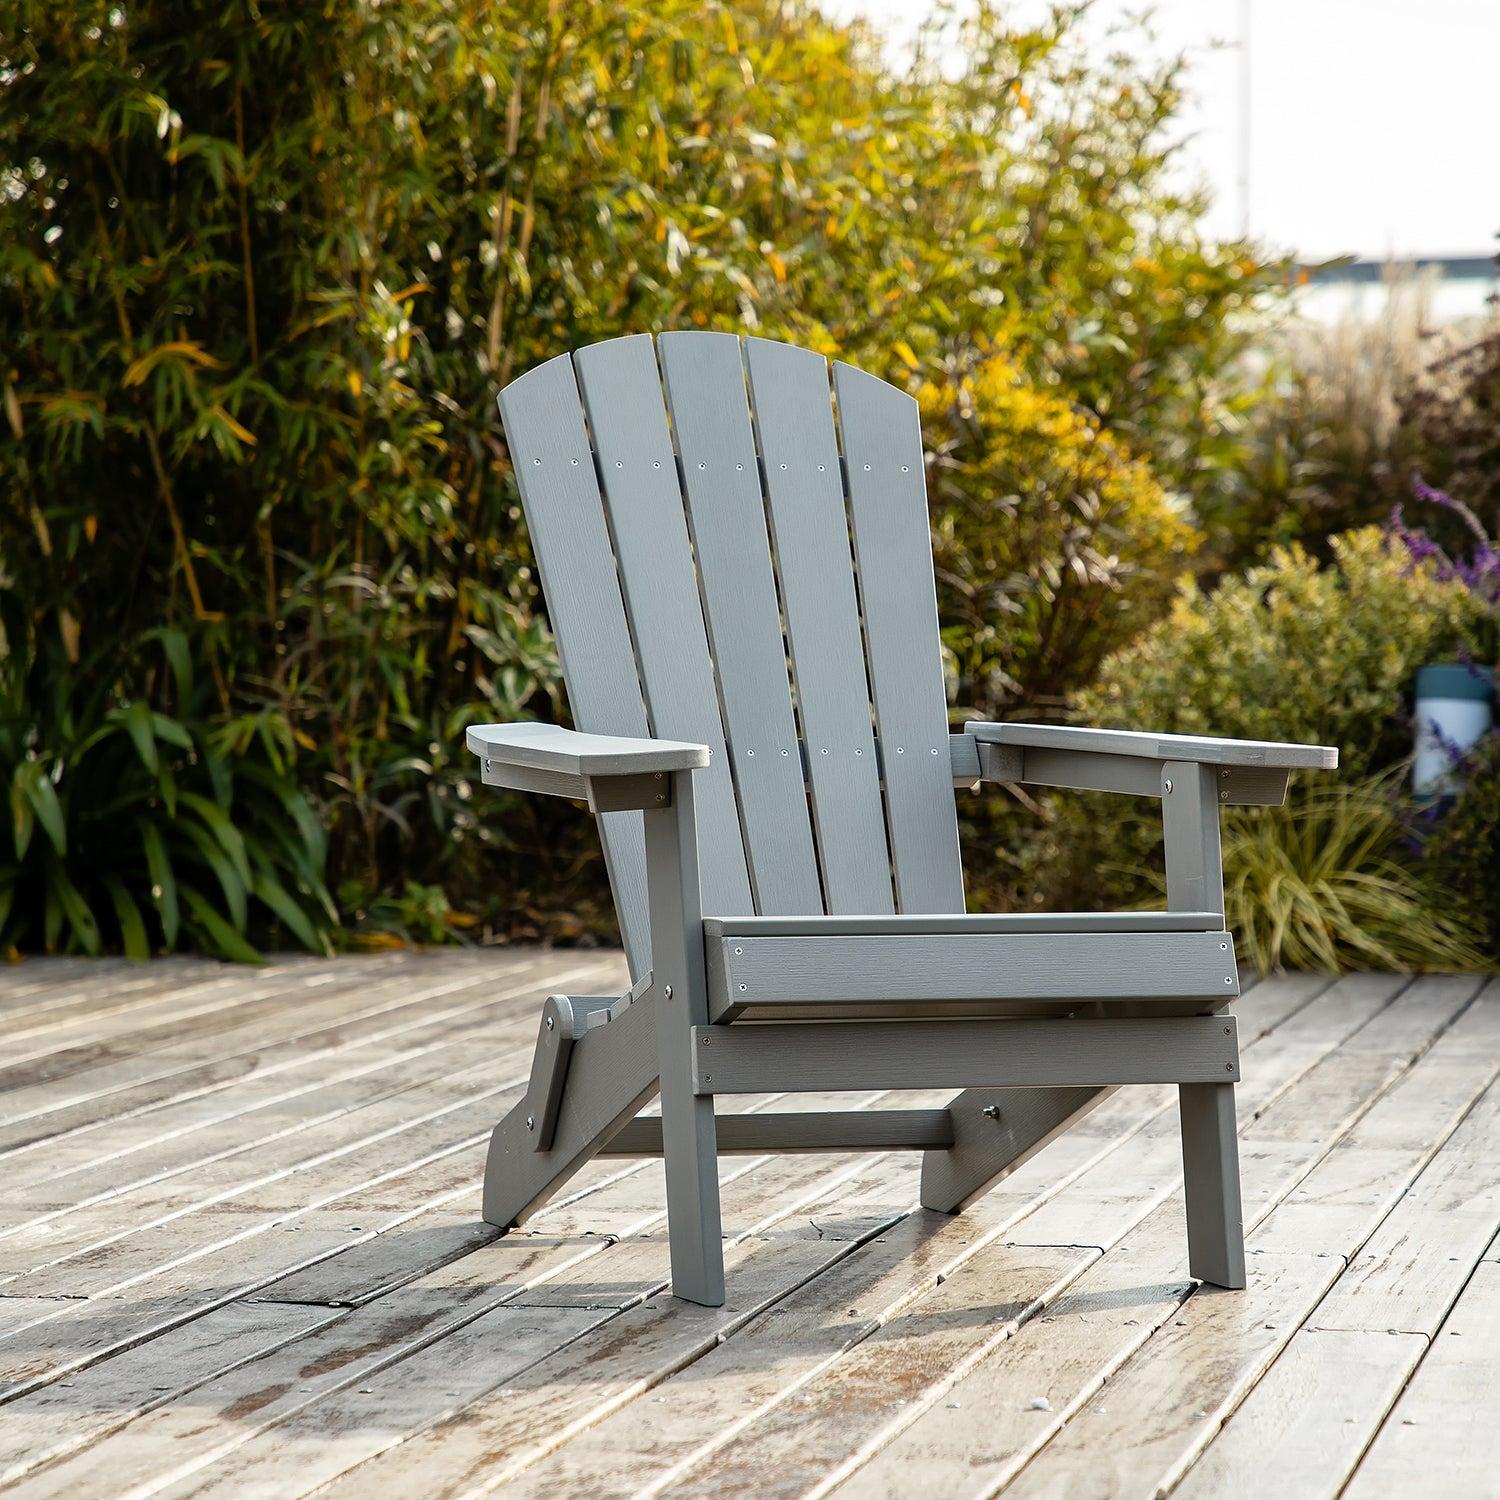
241, 1255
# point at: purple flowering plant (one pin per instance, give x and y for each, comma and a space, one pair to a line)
1479, 572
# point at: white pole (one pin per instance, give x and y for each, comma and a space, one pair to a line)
1244, 119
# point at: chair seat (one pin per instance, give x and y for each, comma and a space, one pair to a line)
762, 968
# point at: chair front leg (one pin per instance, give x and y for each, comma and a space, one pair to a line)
1211, 1178
679, 983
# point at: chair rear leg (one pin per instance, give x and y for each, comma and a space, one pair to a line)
610, 1074
994, 1132
1211, 1174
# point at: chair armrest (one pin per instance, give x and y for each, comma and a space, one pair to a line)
549, 747
610, 772
1202, 750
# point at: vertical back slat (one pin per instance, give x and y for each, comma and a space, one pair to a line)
622, 395
794, 419
882, 441
554, 469
705, 382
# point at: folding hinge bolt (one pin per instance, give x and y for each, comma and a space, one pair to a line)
551, 1023
666, 992
531, 1122
1167, 786
991, 1111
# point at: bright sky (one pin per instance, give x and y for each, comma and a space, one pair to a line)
1374, 124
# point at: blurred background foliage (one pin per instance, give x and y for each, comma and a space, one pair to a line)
264, 268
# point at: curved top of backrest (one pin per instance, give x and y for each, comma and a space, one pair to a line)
736, 552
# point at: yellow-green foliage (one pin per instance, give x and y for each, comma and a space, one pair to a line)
263, 269
1054, 545
1327, 883
1292, 651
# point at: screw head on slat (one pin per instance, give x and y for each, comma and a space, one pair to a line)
531, 1122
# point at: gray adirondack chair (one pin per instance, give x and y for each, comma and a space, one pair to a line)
739, 574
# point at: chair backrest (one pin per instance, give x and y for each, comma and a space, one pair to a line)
691, 504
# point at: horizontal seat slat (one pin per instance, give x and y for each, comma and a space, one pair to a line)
876, 969
971, 923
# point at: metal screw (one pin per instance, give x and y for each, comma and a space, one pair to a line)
1223, 796
1229, 1067
899, 750
859, 752
619, 463
738, 468
1167, 785
659, 775
574, 462
531, 1122
934, 752
822, 752
666, 992
1223, 775
1229, 979
749, 752
867, 468
991, 1111
707, 1040
661, 800
551, 1023
1228, 1031
786, 752
1224, 947
537, 462
743, 988
739, 950
702, 466
905, 469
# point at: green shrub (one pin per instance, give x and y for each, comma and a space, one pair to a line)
1294, 651
144, 831
1462, 843
1053, 544
1290, 651
1329, 882
251, 335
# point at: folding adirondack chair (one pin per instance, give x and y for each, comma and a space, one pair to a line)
739, 574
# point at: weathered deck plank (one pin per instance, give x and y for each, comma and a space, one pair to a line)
244, 1256
1441, 1438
